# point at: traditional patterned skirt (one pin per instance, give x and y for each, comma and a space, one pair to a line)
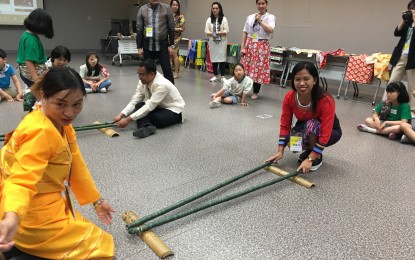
256, 61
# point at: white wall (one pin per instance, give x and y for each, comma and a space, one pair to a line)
358, 26
78, 24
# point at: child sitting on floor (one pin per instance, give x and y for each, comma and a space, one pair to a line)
408, 131
6, 73
59, 57
94, 75
388, 115
235, 90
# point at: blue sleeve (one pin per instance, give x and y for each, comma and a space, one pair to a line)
11, 71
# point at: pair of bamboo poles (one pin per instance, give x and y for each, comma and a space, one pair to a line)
80, 128
139, 226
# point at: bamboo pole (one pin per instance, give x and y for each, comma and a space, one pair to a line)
208, 204
107, 131
93, 126
103, 127
194, 197
296, 179
149, 237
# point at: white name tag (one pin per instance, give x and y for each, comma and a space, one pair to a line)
296, 143
149, 31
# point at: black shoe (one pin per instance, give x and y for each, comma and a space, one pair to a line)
316, 163
145, 131
303, 155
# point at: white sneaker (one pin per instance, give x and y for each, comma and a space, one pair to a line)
88, 90
213, 79
103, 90
362, 127
214, 104
405, 140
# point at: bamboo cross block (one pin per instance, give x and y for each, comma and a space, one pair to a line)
149, 237
107, 131
296, 179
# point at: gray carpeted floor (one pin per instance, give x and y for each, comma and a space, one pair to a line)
361, 207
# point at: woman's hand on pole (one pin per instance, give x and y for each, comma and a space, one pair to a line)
275, 157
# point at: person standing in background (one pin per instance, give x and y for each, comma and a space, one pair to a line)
255, 48
217, 28
403, 56
31, 55
178, 30
155, 34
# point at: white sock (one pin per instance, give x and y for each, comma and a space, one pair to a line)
371, 130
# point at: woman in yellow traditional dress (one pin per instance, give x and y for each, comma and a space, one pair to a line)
39, 165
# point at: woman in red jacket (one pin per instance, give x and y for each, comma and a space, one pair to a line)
317, 125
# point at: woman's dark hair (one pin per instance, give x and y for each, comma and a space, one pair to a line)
317, 92
266, 1
60, 51
97, 68
58, 79
398, 86
39, 22
220, 16
149, 64
411, 4
178, 3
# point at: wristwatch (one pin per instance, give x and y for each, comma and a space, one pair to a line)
98, 202
310, 159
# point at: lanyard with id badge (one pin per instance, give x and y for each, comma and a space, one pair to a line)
296, 139
150, 27
149, 31
255, 31
68, 191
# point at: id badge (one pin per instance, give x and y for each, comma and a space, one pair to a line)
296, 143
69, 200
255, 37
149, 31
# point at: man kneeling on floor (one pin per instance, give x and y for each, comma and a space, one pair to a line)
156, 102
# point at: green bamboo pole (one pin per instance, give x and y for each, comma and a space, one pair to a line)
81, 128
208, 204
194, 197
90, 127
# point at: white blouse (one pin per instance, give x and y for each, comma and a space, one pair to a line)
251, 26
224, 27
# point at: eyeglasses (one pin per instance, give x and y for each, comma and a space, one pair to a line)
142, 74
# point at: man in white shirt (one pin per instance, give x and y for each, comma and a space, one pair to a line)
156, 103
